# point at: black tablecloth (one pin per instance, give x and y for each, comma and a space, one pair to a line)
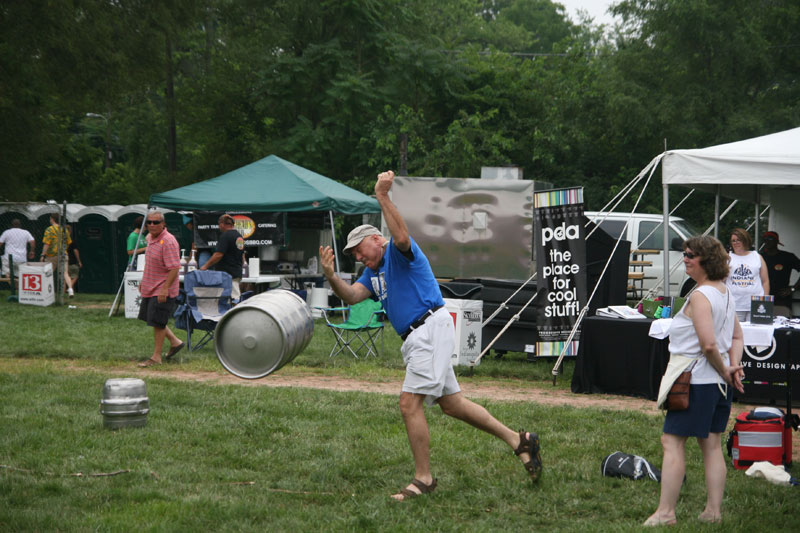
768, 372
617, 356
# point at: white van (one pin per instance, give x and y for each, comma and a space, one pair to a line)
645, 233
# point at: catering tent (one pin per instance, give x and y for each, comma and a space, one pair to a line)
268, 185
764, 166
764, 170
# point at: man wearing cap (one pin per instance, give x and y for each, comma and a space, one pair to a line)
780, 264
399, 275
229, 254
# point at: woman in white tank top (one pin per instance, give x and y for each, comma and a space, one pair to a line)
748, 275
706, 337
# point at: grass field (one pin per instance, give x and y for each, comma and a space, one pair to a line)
240, 458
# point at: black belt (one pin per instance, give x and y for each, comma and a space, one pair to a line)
421, 320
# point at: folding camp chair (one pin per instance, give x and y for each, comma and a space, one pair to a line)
205, 297
359, 330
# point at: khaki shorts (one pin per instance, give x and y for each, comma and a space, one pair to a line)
427, 354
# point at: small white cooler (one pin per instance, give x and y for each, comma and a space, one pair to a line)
467, 318
36, 285
132, 296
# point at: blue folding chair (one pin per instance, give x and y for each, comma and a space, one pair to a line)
205, 297
361, 326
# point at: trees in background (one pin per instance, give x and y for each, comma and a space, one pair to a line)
184, 90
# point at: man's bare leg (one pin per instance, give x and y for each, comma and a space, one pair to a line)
413, 411
460, 407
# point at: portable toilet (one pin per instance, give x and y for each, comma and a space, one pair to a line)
40, 220
22, 211
96, 242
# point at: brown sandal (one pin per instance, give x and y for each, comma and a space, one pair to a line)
149, 362
423, 489
530, 445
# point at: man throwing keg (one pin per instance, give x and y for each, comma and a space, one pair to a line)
399, 275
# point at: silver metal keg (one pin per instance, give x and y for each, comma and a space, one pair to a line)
263, 333
125, 403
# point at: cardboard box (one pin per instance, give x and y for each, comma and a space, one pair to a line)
467, 318
36, 285
132, 297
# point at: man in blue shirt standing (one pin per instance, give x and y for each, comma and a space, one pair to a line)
399, 275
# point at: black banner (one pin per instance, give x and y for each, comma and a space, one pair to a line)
257, 229
561, 268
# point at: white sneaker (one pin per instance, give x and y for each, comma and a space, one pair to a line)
70, 292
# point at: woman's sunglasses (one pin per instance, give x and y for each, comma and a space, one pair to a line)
689, 255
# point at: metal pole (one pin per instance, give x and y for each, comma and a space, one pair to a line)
62, 249
333, 237
665, 194
716, 214
130, 267
758, 217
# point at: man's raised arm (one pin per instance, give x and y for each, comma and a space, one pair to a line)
394, 221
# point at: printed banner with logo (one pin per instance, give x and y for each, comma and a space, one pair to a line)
561, 267
257, 229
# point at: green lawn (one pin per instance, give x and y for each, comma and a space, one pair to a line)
239, 458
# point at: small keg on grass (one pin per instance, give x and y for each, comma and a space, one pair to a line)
125, 403
263, 333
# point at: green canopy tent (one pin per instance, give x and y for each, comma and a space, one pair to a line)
271, 184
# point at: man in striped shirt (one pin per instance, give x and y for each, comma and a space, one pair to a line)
159, 287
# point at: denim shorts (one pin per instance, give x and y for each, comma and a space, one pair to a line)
708, 413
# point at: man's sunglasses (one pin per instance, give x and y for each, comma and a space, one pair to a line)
689, 255
155, 221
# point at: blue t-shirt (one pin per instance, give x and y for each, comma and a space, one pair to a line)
405, 286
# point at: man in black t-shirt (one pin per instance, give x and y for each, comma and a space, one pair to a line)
229, 254
780, 264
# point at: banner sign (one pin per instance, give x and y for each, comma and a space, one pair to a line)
257, 229
561, 267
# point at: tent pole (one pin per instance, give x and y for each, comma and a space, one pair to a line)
333, 237
716, 214
758, 218
665, 195
131, 263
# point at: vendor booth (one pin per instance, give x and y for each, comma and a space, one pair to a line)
763, 170
618, 356
274, 185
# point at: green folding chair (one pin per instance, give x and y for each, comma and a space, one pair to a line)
358, 331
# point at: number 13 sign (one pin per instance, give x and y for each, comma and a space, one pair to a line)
32, 282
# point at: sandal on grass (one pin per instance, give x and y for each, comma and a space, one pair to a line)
149, 362
423, 489
530, 445
173, 350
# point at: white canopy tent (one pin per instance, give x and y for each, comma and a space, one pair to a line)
763, 170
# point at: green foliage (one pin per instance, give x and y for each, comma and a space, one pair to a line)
339, 86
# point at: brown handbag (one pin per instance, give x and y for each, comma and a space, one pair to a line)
678, 395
